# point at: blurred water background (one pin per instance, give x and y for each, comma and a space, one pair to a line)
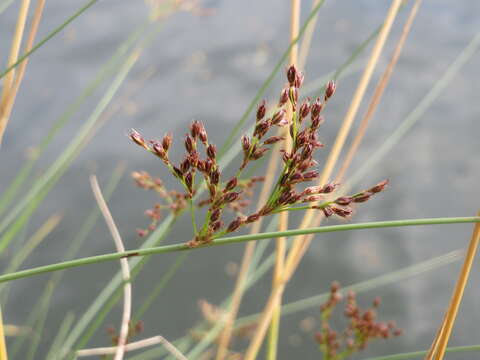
209, 68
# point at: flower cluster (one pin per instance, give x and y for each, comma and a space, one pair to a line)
362, 327
302, 119
173, 201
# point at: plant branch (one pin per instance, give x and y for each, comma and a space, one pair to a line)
232, 240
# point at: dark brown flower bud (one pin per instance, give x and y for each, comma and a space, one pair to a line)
259, 153
310, 175
252, 218
246, 144
211, 151
296, 178
262, 128
307, 152
292, 74
304, 110
312, 198
299, 80
362, 197
166, 142
189, 143
342, 212
178, 172
234, 225
273, 140
231, 197
315, 124
312, 190
283, 98
137, 138
316, 109
328, 188
232, 183
208, 165
202, 134
215, 177
195, 129
261, 111
379, 187
278, 116
327, 211
185, 165
330, 90
285, 197
158, 150
201, 165
344, 200
189, 181
216, 226
215, 215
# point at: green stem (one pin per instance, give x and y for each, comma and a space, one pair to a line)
232, 240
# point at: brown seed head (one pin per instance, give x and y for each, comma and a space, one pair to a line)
283, 98
167, 141
211, 151
231, 184
316, 109
261, 110
330, 90
273, 140
189, 143
379, 187
292, 75
344, 200
137, 138
234, 225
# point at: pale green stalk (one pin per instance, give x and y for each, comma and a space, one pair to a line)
233, 240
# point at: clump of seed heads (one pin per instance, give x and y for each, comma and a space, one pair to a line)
287, 195
362, 326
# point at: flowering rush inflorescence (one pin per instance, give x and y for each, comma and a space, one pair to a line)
287, 194
362, 326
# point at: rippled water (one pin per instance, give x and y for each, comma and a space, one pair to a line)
209, 68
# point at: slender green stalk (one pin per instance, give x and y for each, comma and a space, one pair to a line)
49, 36
233, 240
421, 354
